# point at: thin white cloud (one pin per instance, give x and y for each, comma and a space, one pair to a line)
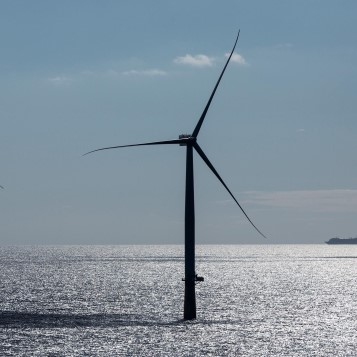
87, 72
148, 72
196, 61
237, 58
338, 200
60, 80
286, 45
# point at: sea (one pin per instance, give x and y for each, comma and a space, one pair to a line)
127, 300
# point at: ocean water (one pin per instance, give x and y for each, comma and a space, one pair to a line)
256, 300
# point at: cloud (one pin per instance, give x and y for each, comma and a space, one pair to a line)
148, 72
196, 61
60, 80
237, 58
337, 200
87, 72
286, 45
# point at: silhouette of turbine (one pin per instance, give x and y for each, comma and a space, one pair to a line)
190, 141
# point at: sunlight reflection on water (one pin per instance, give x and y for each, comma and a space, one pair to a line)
257, 300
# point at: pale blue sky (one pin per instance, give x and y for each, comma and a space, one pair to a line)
281, 130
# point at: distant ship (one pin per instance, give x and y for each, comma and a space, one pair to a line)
342, 241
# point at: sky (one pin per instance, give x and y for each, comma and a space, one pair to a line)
281, 130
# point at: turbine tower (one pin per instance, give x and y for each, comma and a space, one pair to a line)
190, 141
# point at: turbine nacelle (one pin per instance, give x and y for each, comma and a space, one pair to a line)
187, 139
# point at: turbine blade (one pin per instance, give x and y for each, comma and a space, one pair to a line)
176, 141
203, 115
205, 159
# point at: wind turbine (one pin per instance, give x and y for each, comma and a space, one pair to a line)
190, 141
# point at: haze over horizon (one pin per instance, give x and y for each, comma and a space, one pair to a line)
281, 130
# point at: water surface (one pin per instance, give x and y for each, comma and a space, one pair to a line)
256, 300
